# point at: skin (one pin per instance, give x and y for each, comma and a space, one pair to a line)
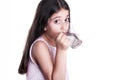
58, 24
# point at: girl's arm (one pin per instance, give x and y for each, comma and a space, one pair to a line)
62, 44
42, 57
60, 66
52, 71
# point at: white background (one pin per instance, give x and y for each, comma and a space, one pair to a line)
96, 21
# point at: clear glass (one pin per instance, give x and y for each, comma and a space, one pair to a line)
75, 41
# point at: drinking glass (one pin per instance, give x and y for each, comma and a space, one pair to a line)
74, 39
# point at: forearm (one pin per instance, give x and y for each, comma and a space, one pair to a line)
60, 65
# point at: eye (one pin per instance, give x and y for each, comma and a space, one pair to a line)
67, 20
57, 21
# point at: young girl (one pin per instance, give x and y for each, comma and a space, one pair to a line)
45, 51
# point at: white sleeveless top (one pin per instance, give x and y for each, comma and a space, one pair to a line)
34, 72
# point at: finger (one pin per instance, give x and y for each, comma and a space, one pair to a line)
64, 37
59, 37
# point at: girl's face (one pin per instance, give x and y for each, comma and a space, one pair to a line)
57, 23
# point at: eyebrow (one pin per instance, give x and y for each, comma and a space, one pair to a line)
59, 17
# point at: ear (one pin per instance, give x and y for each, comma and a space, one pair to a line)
45, 29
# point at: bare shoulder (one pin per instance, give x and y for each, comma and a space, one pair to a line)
39, 47
40, 52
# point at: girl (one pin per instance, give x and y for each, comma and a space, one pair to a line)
45, 51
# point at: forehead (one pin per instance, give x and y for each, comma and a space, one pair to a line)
62, 13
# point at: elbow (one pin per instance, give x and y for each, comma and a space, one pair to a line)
48, 77
55, 76
58, 77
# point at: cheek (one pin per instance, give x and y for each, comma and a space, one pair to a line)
53, 31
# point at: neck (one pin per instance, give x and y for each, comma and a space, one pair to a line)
49, 39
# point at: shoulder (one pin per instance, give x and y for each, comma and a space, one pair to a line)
39, 46
41, 53
40, 50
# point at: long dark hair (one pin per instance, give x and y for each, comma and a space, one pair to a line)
45, 9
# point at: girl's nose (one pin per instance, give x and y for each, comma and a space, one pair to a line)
64, 27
